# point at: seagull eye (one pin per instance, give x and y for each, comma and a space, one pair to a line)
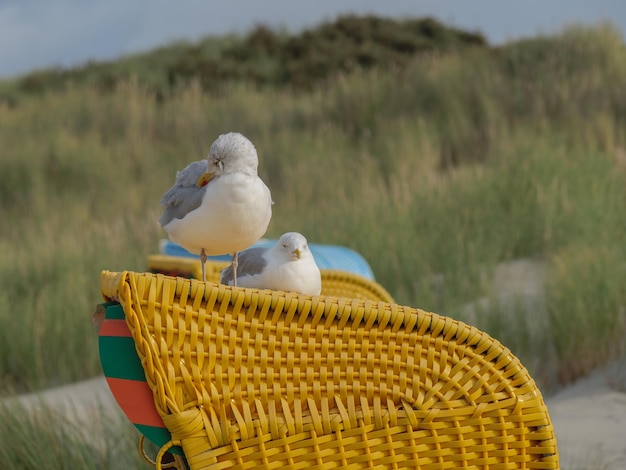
284, 245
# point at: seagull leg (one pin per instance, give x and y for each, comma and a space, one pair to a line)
202, 262
235, 263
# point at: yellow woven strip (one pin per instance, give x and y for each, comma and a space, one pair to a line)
109, 284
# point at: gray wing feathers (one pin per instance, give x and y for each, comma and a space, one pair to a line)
185, 195
251, 262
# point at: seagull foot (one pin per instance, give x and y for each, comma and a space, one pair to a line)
203, 258
235, 263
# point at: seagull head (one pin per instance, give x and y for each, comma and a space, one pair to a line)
293, 245
232, 153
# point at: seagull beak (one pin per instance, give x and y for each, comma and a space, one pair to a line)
297, 252
205, 178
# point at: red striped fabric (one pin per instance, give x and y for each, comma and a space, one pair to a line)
114, 328
135, 398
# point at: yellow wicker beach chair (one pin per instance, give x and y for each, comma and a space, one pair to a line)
247, 378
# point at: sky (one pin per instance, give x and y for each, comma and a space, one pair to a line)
36, 34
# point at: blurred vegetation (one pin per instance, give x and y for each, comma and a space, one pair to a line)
44, 438
263, 57
438, 167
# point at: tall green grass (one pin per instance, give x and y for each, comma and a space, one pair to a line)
438, 171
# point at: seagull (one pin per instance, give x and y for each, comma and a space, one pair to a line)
289, 266
218, 205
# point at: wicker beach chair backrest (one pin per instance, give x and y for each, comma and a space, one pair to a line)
245, 378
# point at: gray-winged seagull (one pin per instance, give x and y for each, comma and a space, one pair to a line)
289, 266
218, 205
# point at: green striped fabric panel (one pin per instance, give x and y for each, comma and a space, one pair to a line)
126, 378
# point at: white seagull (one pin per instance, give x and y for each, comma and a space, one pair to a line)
218, 205
289, 266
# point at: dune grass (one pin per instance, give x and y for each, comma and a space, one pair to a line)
48, 440
437, 171
265, 57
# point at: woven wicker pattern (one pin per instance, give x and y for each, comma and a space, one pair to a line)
268, 379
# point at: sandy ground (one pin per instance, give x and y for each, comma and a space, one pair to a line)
80, 399
589, 417
589, 420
